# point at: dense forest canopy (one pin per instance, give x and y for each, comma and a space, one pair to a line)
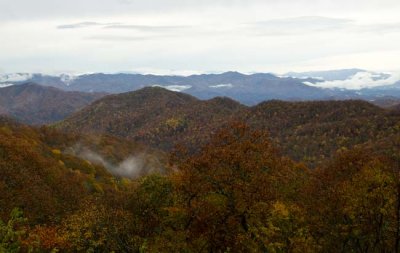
161, 171
237, 191
310, 131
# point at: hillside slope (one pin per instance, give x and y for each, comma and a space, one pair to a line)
154, 116
314, 131
395, 108
34, 104
308, 131
60, 171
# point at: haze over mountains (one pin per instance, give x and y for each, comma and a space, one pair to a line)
247, 89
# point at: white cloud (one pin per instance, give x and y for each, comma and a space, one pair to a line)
359, 81
224, 85
3, 85
177, 88
15, 77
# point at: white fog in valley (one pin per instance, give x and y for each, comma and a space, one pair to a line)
133, 166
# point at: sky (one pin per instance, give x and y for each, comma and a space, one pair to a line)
198, 36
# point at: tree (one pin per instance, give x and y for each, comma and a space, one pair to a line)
356, 207
227, 192
12, 232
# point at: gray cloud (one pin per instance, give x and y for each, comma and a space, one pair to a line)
220, 35
45, 9
298, 25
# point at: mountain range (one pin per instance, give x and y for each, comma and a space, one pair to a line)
163, 117
247, 89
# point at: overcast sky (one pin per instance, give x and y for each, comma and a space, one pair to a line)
195, 36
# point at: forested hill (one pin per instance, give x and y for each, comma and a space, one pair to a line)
154, 116
34, 104
307, 131
313, 131
395, 108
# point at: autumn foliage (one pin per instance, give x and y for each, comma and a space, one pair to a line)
237, 193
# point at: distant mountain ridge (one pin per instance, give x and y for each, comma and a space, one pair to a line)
35, 104
248, 89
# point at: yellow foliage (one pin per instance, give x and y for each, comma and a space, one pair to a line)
6, 130
174, 123
56, 151
280, 209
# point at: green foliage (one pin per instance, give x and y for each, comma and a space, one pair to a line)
12, 232
94, 229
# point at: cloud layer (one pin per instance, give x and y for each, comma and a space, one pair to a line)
201, 36
359, 81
